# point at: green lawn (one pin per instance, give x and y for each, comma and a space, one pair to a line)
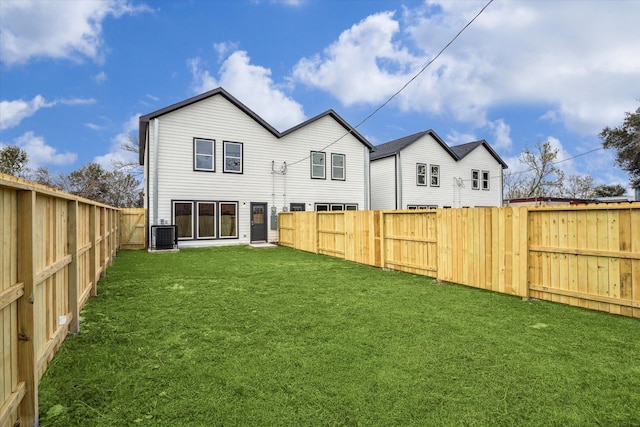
268, 337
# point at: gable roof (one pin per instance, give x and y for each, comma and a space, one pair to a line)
144, 120
463, 149
457, 152
392, 148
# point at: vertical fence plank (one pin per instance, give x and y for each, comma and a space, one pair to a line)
73, 284
27, 356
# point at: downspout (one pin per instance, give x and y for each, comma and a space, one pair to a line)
156, 123
398, 181
367, 180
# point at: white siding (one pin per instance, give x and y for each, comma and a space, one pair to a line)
218, 119
454, 189
383, 183
480, 159
427, 150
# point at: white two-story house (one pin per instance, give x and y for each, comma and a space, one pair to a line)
421, 171
221, 173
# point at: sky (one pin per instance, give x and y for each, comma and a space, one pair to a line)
76, 75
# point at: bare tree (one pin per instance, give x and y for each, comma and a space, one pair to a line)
579, 187
541, 177
133, 167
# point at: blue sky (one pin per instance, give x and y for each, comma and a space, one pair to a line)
75, 75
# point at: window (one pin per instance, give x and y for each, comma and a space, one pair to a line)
421, 174
232, 157
338, 166
435, 175
206, 220
183, 218
351, 207
228, 220
337, 207
475, 179
317, 165
210, 220
204, 155
296, 207
485, 180
322, 207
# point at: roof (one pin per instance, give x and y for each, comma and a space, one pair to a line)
144, 120
457, 152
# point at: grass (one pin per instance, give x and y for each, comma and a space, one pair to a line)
268, 337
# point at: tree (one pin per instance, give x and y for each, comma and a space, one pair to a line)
615, 190
42, 175
541, 178
118, 188
14, 161
132, 167
625, 139
579, 187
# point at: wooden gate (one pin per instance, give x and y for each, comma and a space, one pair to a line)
133, 228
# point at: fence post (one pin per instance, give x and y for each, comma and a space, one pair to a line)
72, 285
27, 357
94, 251
316, 239
523, 250
382, 248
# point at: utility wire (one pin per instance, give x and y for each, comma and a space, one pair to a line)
404, 86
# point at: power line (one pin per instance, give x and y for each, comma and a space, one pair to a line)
559, 161
404, 86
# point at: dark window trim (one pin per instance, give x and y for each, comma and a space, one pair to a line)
324, 165
344, 167
316, 205
292, 205
213, 143
418, 174
431, 184
224, 157
348, 206
218, 219
475, 182
173, 217
196, 219
488, 180
220, 236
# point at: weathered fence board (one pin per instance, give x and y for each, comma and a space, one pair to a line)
585, 256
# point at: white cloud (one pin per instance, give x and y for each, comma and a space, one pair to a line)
253, 86
101, 77
13, 112
56, 29
457, 138
580, 61
94, 126
365, 64
501, 134
116, 154
41, 154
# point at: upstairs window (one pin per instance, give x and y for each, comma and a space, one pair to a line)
232, 157
435, 176
317, 165
204, 155
485, 180
475, 179
338, 167
421, 174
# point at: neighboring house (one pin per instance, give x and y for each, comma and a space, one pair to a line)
559, 201
421, 171
221, 173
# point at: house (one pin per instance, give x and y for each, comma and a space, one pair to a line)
221, 173
421, 171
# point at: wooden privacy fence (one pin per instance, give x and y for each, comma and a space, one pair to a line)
586, 256
132, 228
55, 247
